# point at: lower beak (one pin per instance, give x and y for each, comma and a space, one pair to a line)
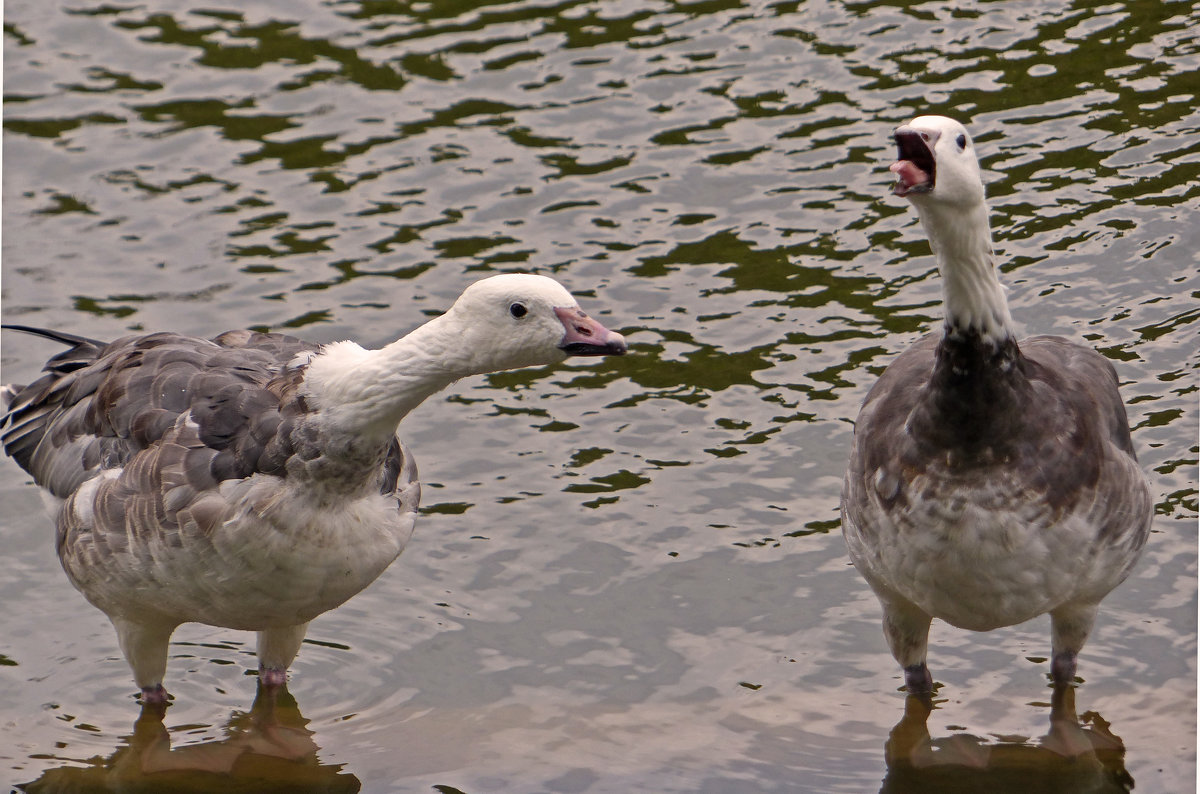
586, 337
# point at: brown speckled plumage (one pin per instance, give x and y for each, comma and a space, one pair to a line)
114, 402
171, 418
990, 480
254, 481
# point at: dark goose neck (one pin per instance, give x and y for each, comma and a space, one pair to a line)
976, 401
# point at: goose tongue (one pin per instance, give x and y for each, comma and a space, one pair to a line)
909, 178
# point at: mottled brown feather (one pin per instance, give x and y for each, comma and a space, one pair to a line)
108, 405
1045, 411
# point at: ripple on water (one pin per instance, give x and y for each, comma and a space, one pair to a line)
627, 574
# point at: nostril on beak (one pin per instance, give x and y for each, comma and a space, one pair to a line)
583, 330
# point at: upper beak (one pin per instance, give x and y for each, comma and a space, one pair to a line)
586, 337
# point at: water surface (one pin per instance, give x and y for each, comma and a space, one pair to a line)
629, 574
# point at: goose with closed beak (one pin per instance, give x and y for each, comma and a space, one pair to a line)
254, 481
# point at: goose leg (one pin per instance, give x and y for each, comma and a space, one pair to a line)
1070, 626
277, 648
145, 649
906, 628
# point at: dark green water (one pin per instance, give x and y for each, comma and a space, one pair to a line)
629, 575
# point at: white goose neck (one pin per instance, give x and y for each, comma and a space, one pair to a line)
367, 392
972, 295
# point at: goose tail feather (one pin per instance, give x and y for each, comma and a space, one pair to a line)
83, 351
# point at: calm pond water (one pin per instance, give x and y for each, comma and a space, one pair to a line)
629, 574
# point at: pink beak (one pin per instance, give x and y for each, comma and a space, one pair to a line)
586, 337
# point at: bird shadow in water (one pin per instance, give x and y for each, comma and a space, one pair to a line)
1074, 756
267, 749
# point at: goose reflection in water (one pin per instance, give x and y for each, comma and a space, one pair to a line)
1074, 756
267, 749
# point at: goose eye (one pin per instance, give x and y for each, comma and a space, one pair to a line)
518, 310
961, 141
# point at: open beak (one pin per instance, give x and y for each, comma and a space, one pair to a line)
915, 170
586, 337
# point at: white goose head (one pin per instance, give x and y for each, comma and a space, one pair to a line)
502, 322
521, 320
937, 163
938, 171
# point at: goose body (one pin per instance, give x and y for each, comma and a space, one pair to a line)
990, 480
254, 481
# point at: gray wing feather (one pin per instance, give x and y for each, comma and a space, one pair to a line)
1072, 451
105, 406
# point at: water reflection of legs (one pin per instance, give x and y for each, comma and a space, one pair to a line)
1072, 756
268, 748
